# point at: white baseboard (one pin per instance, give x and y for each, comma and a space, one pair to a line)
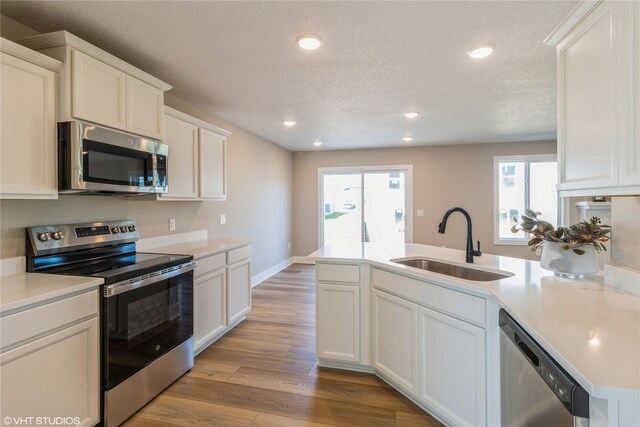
261, 277
302, 260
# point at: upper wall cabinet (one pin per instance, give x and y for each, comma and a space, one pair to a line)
197, 160
98, 87
27, 123
597, 52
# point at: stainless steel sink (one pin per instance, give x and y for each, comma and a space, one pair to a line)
452, 270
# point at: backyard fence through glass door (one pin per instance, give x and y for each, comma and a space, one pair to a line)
362, 205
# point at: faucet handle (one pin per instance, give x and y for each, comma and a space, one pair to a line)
477, 253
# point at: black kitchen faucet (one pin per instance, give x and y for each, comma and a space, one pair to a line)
443, 225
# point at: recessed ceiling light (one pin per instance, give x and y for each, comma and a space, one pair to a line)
309, 41
407, 139
317, 143
481, 51
411, 114
288, 123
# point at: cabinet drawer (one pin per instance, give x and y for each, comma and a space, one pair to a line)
463, 306
239, 254
347, 273
30, 323
209, 264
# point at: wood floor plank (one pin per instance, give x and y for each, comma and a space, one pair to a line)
270, 420
329, 389
189, 412
282, 403
264, 373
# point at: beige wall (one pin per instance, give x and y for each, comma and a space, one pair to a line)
443, 177
258, 207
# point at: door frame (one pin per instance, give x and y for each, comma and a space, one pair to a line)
408, 196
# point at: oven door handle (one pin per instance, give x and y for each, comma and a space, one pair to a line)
147, 279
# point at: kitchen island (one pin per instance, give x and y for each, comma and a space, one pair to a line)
590, 328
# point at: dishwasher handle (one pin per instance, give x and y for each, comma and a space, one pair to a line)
572, 395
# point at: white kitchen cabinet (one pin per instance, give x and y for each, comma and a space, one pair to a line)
338, 323
52, 373
98, 87
394, 339
598, 143
182, 139
197, 158
238, 290
145, 108
222, 295
98, 91
210, 304
451, 368
27, 123
213, 174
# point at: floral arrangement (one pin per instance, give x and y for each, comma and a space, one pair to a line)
590, 233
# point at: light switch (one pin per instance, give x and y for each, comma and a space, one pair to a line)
172, 224
419, 212
223, 219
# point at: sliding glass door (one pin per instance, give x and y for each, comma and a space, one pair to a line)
365, 205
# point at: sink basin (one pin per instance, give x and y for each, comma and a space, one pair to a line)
452, 270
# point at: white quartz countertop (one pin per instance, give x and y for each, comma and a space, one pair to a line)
22, 290
201, 248
592, 330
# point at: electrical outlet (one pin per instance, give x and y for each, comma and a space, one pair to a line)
172, 224
223, 219
419, 212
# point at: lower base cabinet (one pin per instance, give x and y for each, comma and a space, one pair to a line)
338, 323
53, 379
238, 291
452, 376
210, 306
394, 339
222, 295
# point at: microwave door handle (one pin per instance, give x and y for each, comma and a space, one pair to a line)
140, 282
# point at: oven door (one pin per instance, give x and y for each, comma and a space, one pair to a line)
143, 320
99, 159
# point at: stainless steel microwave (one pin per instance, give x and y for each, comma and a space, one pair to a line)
93, 159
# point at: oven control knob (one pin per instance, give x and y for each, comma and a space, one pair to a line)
57, 235
123, 229
43, 237
132, 228
115, 230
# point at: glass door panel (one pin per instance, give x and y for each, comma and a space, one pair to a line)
384, 207
342, 208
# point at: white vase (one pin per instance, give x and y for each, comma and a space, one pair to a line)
568, 263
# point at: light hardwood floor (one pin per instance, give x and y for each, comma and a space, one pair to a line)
264, 373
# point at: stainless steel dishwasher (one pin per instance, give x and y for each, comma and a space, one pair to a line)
535, 390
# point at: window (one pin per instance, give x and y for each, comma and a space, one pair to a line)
522, 182
365, 204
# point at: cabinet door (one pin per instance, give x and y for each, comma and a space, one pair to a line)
98, 91
238, 290
27, 131
593, 99
145, 107
451, 368
630, 152
54, 376
210, 305
394, 339
338, 322
213, 174
182, 138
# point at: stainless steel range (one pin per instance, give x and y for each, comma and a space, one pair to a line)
146, 307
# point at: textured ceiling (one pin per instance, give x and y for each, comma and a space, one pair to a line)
239, 60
